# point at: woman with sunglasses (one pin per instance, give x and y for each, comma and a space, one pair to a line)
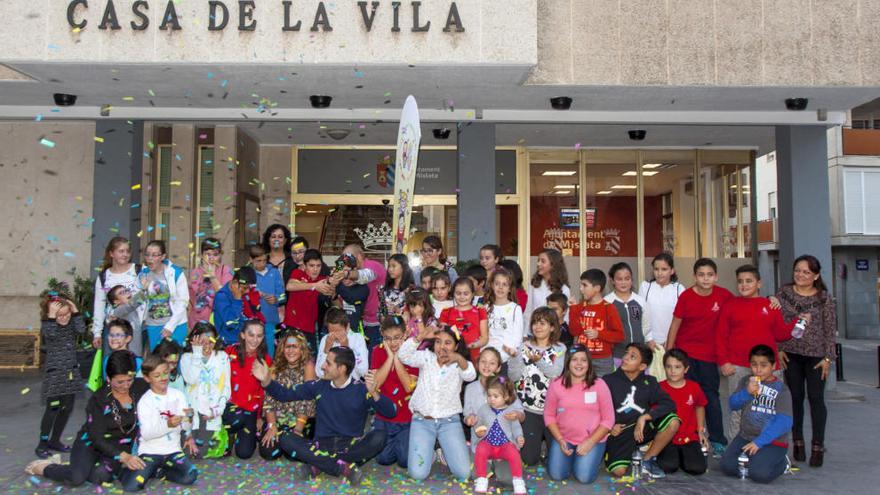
293, 366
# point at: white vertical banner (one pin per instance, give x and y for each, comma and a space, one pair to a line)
408, 138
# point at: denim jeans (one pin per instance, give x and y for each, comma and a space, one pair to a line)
765, 466
423, 433
396, 446
154, 335
585, 467
176, 468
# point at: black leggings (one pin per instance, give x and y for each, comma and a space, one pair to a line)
242, 428
801, 370
536, 434
58, 411
85, 464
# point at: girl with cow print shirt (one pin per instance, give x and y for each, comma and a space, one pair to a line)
532, 366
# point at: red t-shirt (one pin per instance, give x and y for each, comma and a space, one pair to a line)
746, 322
603, 318
522, 297
687, 399
699, 316
301, 311
468, 324
392, 387
247, 393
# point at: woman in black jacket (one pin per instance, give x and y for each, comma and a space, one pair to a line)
104, 443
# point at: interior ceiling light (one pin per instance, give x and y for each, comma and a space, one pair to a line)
565, 186
605, 192
651, 166
623, 186
560, 173
561, 192
646, 173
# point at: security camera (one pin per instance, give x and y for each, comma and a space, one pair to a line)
637, 134
561, 102
796, 104
442, 133
386, 202
64, 100
320, 101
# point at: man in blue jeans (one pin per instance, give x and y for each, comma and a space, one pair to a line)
340, 446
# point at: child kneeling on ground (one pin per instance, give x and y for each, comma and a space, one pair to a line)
686, 449
765, 403
161, 412
643, 413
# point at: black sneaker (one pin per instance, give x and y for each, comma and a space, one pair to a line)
353, 474
306, 472
59, 447
652, 469
42, 451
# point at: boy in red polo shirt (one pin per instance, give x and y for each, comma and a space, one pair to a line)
746, 321
686, 449
693, 331
397, 382
301, 311
594, 323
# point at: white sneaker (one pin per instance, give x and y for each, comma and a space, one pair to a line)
519, 487
55, 458
438, 454
481, 485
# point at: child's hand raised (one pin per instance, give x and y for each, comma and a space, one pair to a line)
260, 372
54, 308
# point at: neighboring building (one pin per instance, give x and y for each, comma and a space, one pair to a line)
854, 178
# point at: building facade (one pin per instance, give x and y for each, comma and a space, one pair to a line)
194, 119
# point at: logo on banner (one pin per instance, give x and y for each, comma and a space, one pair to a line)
612, 241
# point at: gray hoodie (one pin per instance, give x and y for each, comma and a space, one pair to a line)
486, 416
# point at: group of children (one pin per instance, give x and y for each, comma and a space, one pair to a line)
569, 384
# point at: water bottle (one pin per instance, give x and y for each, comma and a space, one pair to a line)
705, 451
637, 464
799, 328
743, 464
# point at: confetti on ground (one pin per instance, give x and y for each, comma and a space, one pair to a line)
47, 143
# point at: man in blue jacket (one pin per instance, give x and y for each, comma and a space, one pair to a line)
340, 446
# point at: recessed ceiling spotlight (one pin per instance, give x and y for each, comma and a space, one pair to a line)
320, 101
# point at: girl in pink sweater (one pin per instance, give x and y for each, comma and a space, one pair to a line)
579, 414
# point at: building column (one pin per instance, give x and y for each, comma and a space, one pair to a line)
476, 184
804, 221
119, 148
225, 172
181, 241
